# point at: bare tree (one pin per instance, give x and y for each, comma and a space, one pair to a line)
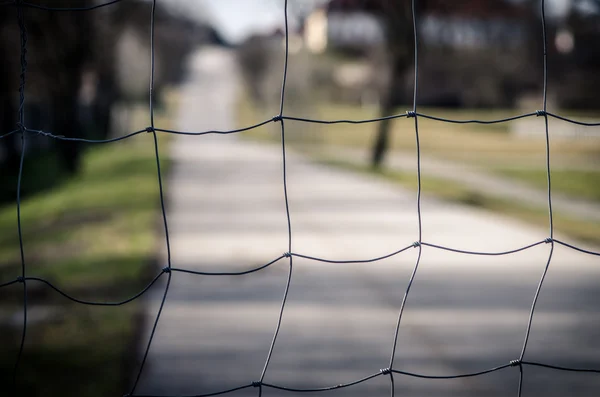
399, 22
398, 25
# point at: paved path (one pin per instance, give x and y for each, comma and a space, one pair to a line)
465, 313
479, 181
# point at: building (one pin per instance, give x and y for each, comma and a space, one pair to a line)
471, 52
343, 25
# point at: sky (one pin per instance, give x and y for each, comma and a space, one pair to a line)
236, 19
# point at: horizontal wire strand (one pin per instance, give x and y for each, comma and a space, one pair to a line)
561, 368
572, 121
321, 389
240, 273
577, 248
381, 372
74, 139
90, 8
308, 257
9, 133
475, 121
200, 395
298, 119
216, 132
314, 258
11, 282
460, 251
466, 375
90, 303
343, 121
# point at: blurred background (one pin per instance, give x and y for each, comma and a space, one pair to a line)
91, 212
354, 60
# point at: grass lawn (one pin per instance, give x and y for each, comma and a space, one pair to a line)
96, 236
579, 183
489, 146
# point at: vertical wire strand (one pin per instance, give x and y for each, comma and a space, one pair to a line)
286, 199
418, 148
155, 137
545, 104
162, 204
285, 65
147, 350
151, 93
23, 39
550, 214
520, 388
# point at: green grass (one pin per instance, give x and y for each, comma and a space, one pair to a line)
578, 183
488, 146
96, 236
75, 233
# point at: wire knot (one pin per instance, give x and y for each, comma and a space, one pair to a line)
256, 383
539, 113
287, 254
411, 113
548, 240
514, 363
21, 279
416, 244
166, 269
21, 127
277, 118
150, 129
385, 371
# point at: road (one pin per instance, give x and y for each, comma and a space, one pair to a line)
464, 313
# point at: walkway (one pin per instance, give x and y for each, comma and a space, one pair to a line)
479, 181
464, 313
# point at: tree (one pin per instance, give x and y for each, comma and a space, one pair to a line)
398, 26
398, 21
57, 49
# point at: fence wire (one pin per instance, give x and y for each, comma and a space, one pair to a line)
281, 118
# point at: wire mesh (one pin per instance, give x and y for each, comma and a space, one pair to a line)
281, 118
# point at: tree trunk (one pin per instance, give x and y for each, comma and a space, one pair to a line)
397, 20
382, 139
8, 123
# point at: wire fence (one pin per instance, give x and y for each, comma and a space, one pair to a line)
520, 362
